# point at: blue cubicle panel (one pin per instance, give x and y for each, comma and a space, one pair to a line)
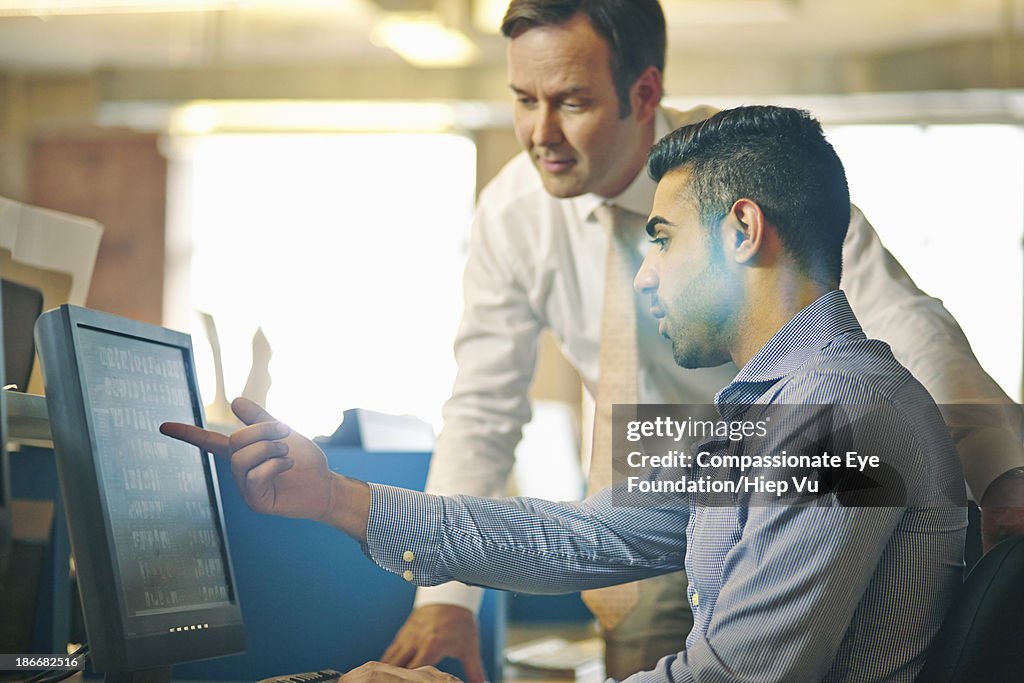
310, 598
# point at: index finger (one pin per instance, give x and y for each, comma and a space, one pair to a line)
197, 436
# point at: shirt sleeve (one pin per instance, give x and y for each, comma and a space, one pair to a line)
522, 544
928, 341
496, 352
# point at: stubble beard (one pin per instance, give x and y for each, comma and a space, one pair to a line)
706, 319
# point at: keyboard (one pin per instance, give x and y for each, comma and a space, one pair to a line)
322, 676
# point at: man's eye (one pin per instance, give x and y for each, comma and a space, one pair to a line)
662, 243
526, 101
573, 106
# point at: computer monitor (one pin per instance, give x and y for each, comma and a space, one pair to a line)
21, 306
143, 511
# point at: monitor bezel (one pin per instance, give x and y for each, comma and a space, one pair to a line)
114, 640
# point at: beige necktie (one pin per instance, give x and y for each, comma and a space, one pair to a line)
617, 381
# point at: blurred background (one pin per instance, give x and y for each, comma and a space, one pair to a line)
309, 167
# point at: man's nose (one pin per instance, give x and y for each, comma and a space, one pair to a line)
646, 280
547, 129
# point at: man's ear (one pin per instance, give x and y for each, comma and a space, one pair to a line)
645, 94
743, 232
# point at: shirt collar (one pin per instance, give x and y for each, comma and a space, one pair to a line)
638, 197
824, 321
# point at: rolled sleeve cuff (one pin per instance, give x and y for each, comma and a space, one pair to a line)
404, 532
451, 593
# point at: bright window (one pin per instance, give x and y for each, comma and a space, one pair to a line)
948, 201
346, 249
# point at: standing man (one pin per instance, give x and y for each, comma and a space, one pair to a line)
555, 241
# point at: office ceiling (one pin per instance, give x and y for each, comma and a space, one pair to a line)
338, 32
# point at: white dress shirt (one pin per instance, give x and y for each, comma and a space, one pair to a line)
536, 261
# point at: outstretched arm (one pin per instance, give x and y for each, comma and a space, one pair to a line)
518, 544
522, 544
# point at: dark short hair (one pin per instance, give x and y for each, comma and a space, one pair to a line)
634, 29
777, 157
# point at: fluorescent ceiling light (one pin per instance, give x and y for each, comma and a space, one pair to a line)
201, 117
425, 41
46, 8
296, 116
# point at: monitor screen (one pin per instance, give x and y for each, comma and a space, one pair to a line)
143, 510
167, 543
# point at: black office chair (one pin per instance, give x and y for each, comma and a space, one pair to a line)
982, 637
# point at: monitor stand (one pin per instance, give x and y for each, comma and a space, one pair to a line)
161, 674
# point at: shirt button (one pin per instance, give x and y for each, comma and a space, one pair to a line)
408, 556
407, 575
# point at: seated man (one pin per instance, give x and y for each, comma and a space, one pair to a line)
749, 218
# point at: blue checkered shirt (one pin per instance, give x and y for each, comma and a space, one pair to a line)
779, 592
